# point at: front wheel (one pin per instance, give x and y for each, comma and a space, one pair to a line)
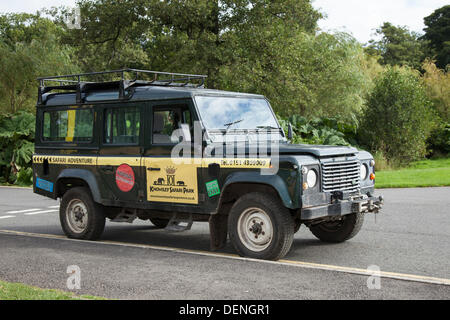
80, 216
260, 227
339, 231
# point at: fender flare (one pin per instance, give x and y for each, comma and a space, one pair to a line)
85, 175
273, 181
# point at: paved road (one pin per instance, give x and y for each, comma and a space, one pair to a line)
411, 236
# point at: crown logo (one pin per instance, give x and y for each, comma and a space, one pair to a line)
170, 170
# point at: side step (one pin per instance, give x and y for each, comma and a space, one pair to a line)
179, 224
125, 216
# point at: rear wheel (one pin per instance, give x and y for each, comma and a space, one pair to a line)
159, 223
80, 216
260, 227
340, 230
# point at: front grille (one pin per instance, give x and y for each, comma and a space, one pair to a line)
341, 176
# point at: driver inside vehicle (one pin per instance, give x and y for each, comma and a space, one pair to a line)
164, 124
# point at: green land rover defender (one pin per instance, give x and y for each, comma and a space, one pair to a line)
158, 146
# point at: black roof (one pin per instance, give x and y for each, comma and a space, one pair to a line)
138, 94
145, 85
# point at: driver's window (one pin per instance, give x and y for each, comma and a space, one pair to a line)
166, 121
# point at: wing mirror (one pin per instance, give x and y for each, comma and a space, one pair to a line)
290, 132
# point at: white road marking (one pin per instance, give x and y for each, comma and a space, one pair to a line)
22, 211
6, 217
54, 207
292, 263
39, 212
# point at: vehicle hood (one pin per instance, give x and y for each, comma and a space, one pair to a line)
316, 150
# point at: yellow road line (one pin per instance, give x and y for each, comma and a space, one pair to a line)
302, 264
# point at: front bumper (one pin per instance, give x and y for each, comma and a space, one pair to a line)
340, 207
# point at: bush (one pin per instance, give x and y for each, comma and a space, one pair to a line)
321, 131
16, 148
439, 141
398, 119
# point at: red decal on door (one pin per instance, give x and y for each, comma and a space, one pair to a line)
125, 178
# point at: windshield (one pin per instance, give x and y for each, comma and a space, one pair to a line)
222, 113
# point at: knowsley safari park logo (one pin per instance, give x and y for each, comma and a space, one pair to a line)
170, 184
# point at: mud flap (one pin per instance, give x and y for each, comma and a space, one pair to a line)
218, 229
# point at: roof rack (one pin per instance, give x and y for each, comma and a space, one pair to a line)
77, 84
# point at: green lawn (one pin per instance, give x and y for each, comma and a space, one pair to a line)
18, 291
426, 173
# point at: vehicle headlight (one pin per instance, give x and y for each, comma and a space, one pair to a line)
311, 178
363, 172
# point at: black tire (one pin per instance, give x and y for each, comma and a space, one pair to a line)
339, 231
277, 217
298, 224
80, 198
159, 223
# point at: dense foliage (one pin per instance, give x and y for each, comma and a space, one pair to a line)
399, 116
17, 146
437, 32
398, 46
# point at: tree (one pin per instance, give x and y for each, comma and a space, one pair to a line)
437, 32
398, 119
27, 53
437, 83
112, 34
24, 28
398, 46
260, 46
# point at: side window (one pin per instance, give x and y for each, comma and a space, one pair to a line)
122, 125
68, 125
166, 121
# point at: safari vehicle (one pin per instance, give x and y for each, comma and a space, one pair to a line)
105, 147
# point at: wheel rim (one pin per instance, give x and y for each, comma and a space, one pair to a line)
255, 229
77, 215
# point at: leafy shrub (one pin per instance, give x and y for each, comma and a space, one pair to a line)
324, 131
439, 141
16, 147
380, 161
398, 118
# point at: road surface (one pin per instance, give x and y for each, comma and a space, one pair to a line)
408, 242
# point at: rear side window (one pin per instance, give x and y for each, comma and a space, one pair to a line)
68, 125
122, 125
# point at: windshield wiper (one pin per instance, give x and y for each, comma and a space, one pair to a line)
228, 125
267, 127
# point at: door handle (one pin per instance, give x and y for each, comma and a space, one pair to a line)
107, 169
154, 169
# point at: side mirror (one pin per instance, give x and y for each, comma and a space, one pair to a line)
290, 132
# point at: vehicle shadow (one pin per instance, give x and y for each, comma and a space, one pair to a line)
194, 239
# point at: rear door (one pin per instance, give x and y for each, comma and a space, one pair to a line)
119, 161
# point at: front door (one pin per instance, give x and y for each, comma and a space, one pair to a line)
168, 180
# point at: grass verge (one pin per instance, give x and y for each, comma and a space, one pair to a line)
19, 291
426, 173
